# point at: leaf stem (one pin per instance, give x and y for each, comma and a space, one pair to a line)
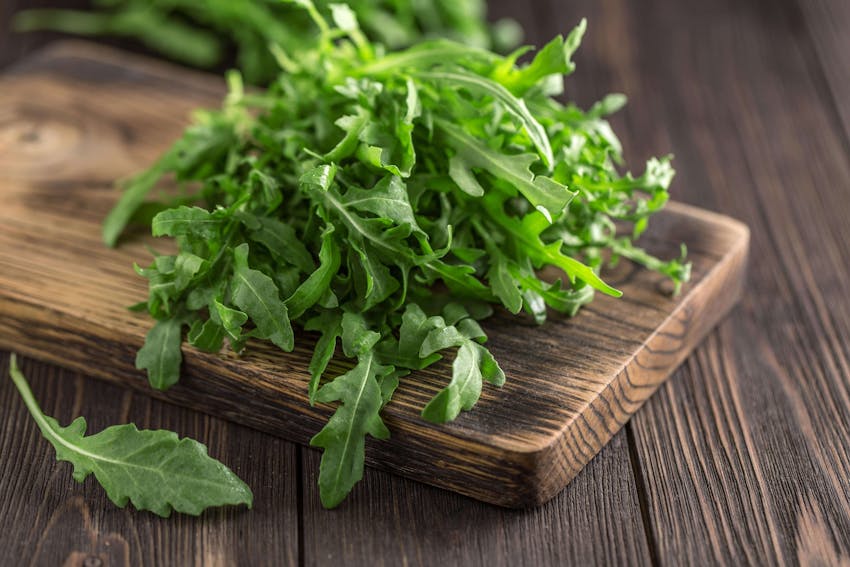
32, 405
26, 393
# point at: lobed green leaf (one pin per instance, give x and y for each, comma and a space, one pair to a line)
155, 470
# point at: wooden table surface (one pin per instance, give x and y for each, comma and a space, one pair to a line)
743, 457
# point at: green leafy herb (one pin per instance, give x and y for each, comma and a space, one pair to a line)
385, 201
344, 436
161, 355
155, 470
471, 366
257, 295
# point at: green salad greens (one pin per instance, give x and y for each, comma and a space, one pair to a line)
382, 203
385, 202
204, 33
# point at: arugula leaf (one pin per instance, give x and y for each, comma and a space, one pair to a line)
541, 191
425, 54
283, 243
161, 354
554, 59
471, 366
503, 283
445, 336
134, 195
184, 221
328, 323
311, 290
357, 339
353, 126
373, 279
257, 295
230, 320
343, 437
527, 231
155, 470
186, 267
515, 106
388, 199
206, 335
415, 328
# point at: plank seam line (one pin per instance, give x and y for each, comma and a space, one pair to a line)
642, 494
299, 499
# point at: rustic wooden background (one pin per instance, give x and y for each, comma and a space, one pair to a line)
743, 457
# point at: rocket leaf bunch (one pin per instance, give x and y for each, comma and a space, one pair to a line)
386, 202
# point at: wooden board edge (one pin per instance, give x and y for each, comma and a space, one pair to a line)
557, 462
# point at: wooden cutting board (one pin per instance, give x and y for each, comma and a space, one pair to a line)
76, 117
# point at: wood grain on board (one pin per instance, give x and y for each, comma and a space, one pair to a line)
80, 116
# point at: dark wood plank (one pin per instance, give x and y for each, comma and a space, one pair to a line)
393, 521
827, 22
80, 116
50, 519
744, 454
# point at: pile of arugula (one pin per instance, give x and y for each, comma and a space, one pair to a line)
386, 201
